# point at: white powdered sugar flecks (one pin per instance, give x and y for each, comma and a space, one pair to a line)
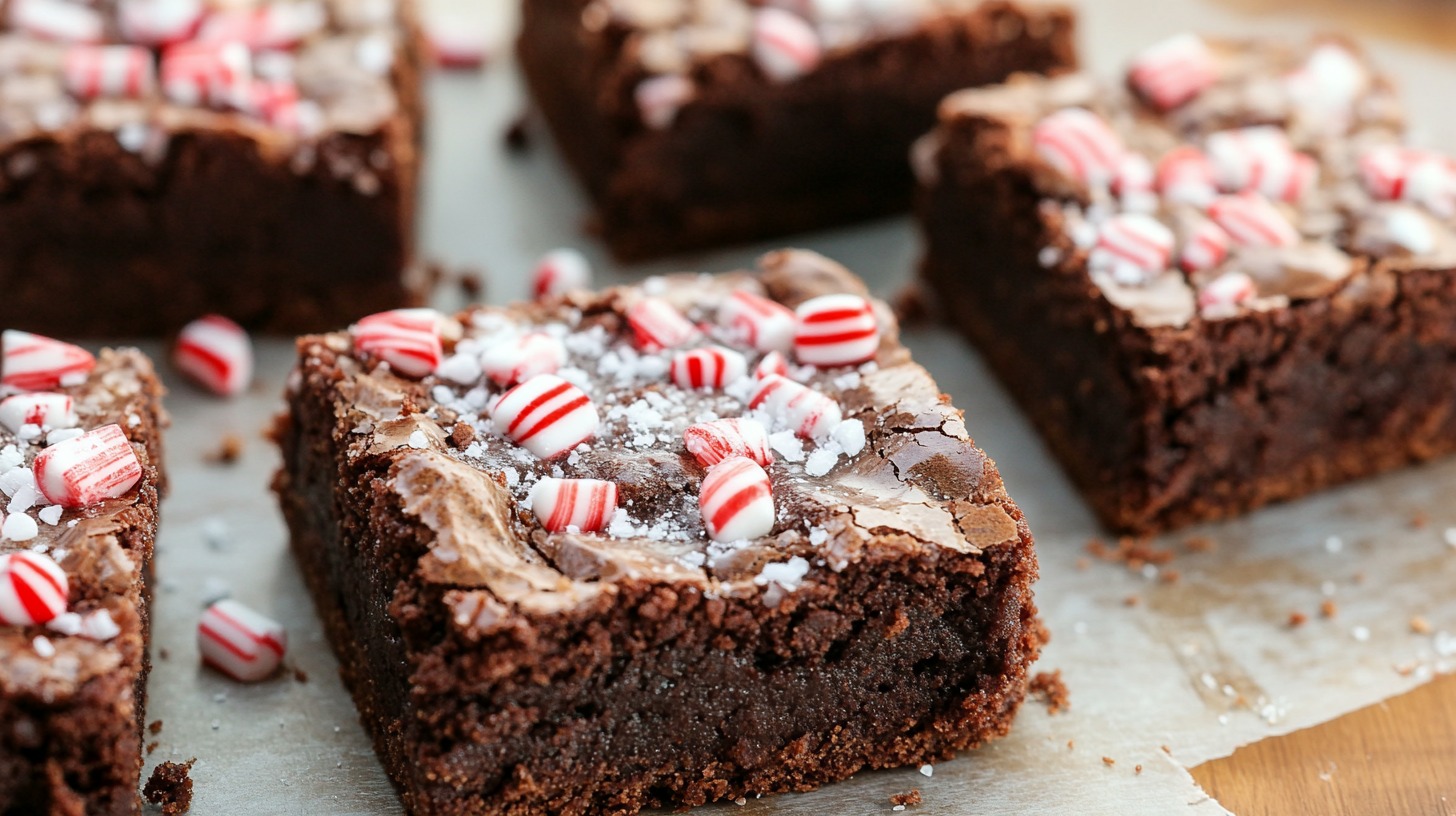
463, 369
818, 535
99, 626
781, 578
66, 623
850, 435
419, 441
1048, 257
787, 445
43, 647
10, 459
821, 461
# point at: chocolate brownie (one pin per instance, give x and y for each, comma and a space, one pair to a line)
1223, 283
73, 664
863, 602
256, 161
695, 123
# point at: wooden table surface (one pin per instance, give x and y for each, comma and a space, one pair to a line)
1396, 758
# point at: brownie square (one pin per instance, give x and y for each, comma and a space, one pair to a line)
259, 162
697, 123
73, 689
1295, 325
880, 615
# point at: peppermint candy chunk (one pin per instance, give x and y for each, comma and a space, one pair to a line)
1185, 176
1134, 183
658, 325
41, 409
772, 363
33, 588
239, 642
584, 504
1423, 177
660, 98
1328, 85
407, 339
835, 330
784, 45
546, 415
456, 41
1252, 220
711, 367
88, 469
1136, 248
278, 102
522, 358
197, 73
810, 414
159, 22
280, 26
1206, 246
1173, 72
58, 20
1223, 294
216, 353
30, 362
118, 71
1080, 144
1261, 159
560, 271
712, 442
736, 500
763, 324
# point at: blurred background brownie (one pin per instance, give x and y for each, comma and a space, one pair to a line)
696, 123
162, 160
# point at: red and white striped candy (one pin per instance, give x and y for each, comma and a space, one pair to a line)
1173, 71
1206, 246
736, 500
42, 409
96, 71
586, 504
215, 353
762, 324
784, 45
521, 358
407, 339
711, 367
58, 20
1080, 144
275, 100
835, 330
90, 468
159, 22
276, 25
239, 642
30, 362
772, 363
1423, 177
1328, 84
1252, 220
1226, 291
657, 325
712, 442
560, 271
1185, 176
546, 415
660, 98
1134, 175
456, 41
33, 588
1261, 159
809, 413
211, 73
1134, 242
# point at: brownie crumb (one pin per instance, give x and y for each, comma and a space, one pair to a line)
518, 135
1108, 761
1419, 521
910, 797
171, 787
154, 727
911, 307
1071, 744
163, 653
1134, 553
1199, 544
1170, 576
1420, 625
300, 675
1297, 619
461, 435
1328, 609
1131, 600
472, 284
1048, 688
229, 450
152, 747
1084, 564
1137, 769
1165, 749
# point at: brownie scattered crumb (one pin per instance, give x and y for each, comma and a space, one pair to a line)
1071, 744
229, 450
154, 727
1420, 625
1419, 521
472, 284
910, 306
1108, 761
1328, 609
461, 435
1137, 769
163, 654
1084, 564
1297, 619
518, 135
1199, 544
152, 747
1048, 688
300, 675
171, 787
910, 797
1131, 600
1358, 578
1134, 553
1165, 749
1170, 576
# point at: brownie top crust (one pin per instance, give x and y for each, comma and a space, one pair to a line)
101, 547
281, 72
895, 474
1221, 178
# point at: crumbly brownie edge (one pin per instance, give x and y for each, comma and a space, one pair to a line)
84, 752
835, 140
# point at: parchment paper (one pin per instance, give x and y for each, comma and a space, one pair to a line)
1201, 666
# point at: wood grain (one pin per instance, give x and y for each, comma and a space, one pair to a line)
1396, 758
